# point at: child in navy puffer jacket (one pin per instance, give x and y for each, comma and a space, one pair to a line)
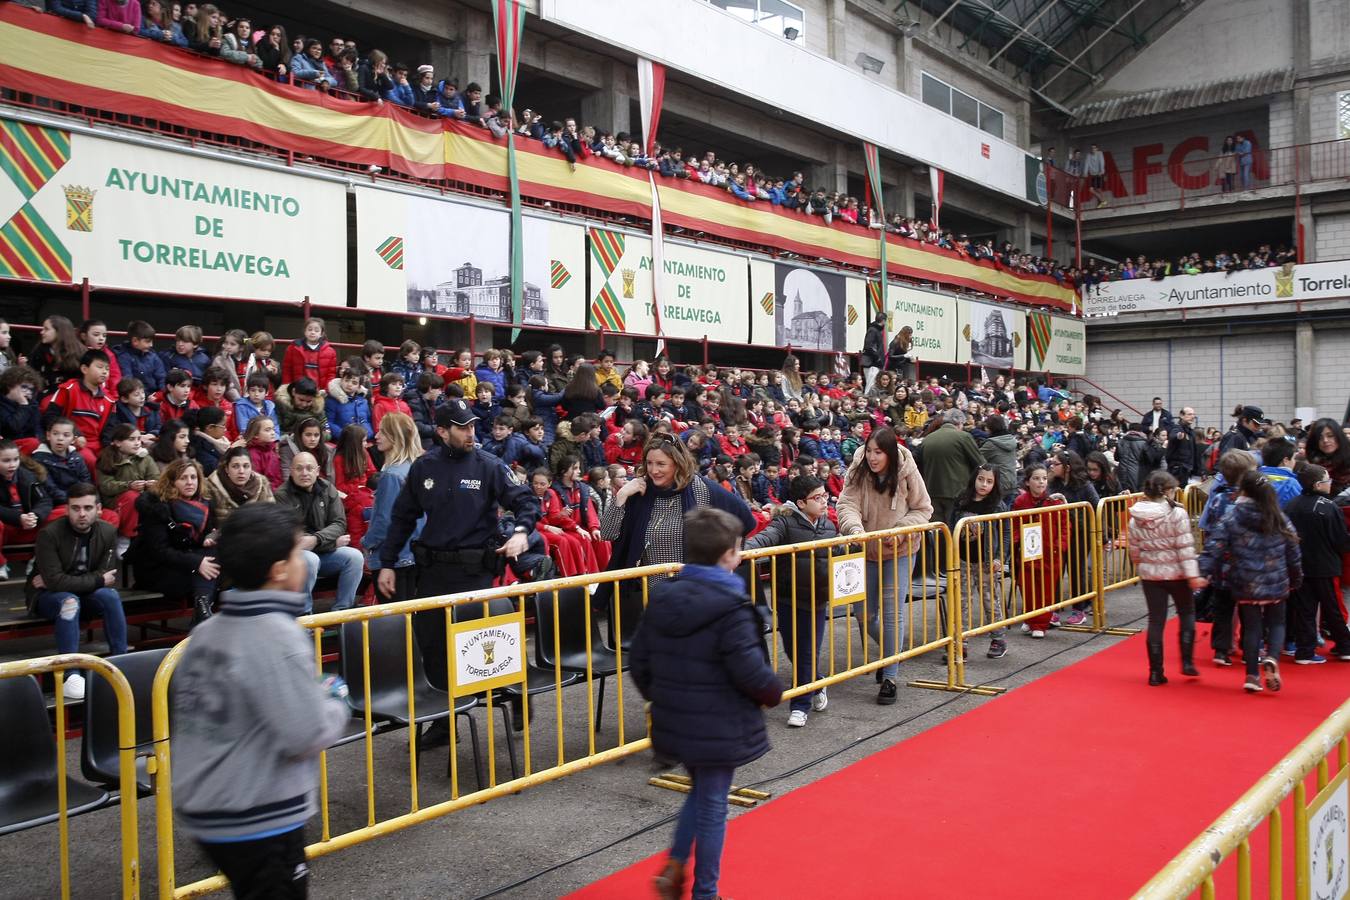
1254, 550
699, 657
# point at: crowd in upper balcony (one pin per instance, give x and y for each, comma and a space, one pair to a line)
1141, 267
339, 66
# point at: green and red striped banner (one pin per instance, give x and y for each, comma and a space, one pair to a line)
29, 249
606, 310
767, 302
607, 250
1039, 326
852, 314
873, 159
508, 19
558, 274
391, 251
30, 155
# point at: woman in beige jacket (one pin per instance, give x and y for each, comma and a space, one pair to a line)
883, 490
234, 483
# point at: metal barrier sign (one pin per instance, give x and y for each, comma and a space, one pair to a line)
1327, 837
1033, 542
489, 653
848, 579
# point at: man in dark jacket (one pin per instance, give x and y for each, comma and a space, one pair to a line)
699, 657
1183, 451
76, 566
873, 350
1130, 449
1157, 417
804, 600
326, 543
949, 456
1324, 541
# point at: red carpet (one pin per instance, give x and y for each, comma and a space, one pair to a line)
1082, 784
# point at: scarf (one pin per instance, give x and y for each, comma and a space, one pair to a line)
627, 549
192, 516
241, 495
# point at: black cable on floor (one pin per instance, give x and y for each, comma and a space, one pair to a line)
788, 774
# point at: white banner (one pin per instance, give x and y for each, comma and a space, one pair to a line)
703, 292
128, 216
991, 336
1289, 283
933, 318
1056, 344
438, 256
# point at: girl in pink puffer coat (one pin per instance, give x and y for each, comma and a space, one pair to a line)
1163, 549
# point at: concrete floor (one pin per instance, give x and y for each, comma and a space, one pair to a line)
559, 836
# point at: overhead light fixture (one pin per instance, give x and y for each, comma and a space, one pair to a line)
421, 320
869, 63
909, 29
791, 33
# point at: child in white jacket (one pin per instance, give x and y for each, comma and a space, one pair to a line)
1163, 549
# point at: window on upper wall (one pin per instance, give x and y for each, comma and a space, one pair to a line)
1343, 114
787, 20
938, 94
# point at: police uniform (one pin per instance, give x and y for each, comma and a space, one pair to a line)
459, 492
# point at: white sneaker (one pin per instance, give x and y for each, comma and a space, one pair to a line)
4, 573
123, 545
1026, 629
797, 719
74, 687
820, 701
1038, 633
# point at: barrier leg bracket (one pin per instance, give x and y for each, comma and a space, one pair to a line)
1111, 630
738, 796
980, 690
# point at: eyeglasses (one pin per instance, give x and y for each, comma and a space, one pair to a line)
821, 496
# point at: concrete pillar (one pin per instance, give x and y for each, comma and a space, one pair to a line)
831, 175
471, 53
1309, 222
441, 56
836, 25
1305, 365
610, 108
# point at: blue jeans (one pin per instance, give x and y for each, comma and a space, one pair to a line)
347, 563
1261, 623
63, 608
887, 607
703, 819
1246, 169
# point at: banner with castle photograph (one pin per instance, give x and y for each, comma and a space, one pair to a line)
703, 292
437, 256
991, 336
128, 216
804, 308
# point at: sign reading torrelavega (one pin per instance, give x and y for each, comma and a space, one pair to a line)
129, 216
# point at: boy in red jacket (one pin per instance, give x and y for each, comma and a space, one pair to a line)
389, 399
84, 402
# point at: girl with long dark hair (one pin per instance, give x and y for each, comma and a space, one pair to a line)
982, 548
883, 490
1329, 448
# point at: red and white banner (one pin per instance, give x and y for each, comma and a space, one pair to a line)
651, 92
935, 179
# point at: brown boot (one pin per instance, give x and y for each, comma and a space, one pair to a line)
670, 883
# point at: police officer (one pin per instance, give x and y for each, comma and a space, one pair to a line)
458, 488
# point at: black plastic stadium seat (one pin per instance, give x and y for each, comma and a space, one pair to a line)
98, 752
571, 625
28, 762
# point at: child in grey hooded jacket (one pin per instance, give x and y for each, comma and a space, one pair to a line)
249, 716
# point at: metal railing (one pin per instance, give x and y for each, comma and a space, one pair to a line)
1180, 180
126, 759
1230, 834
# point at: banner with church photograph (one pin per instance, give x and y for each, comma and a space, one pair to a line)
437, 256
991, 336
804, 308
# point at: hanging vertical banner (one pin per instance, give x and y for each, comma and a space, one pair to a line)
508, 19
936, 177
403, 262
706, 291
991, 335
874, 190
651, 93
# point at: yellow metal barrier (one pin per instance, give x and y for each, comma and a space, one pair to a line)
920, 625
1194, 498
1193, 868
126, 758
1117, 569
1014, 568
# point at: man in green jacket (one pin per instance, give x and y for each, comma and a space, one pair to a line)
949, 455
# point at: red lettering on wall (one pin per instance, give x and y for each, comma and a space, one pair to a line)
1145, 166
1114, 184
1176, 164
